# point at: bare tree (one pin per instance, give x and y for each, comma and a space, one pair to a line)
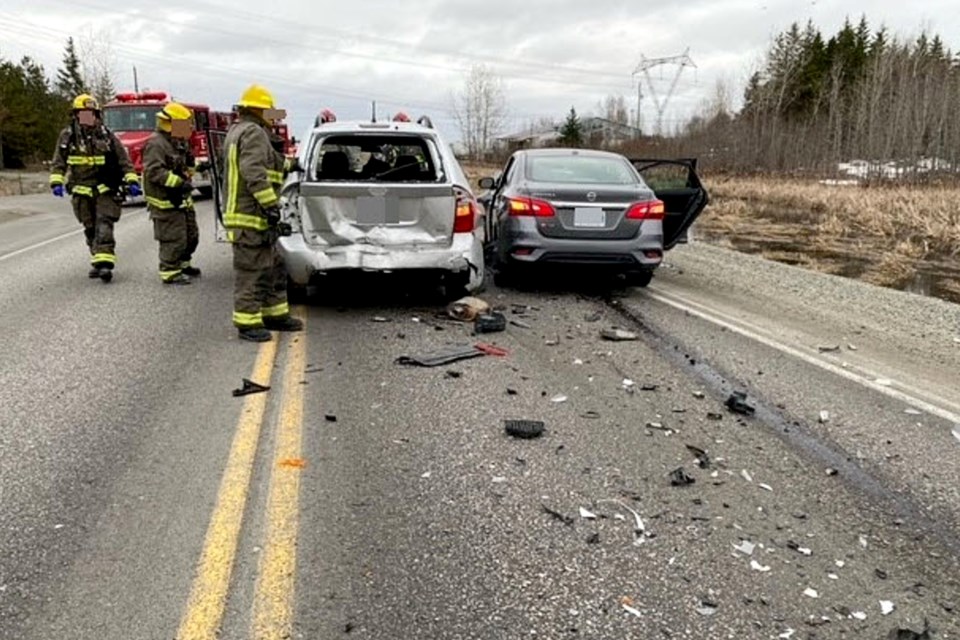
98, 61
480, 109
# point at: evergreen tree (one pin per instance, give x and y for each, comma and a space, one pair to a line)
69, 77
571, 133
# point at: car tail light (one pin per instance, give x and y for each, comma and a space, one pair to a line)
650, 210
466, 213
530, 207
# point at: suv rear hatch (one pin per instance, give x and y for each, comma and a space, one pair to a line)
677, 184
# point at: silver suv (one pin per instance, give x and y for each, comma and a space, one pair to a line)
383, 197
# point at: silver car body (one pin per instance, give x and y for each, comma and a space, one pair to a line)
355, 222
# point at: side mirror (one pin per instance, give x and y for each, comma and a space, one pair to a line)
487, 183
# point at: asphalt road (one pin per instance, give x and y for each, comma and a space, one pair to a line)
362, 498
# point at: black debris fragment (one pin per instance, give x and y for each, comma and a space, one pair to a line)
737, 403
649, 387
556, 515
511, 392
618, 335
454, 374
590, 415
680, 478
249, 387
330, 417
910, 634
524, 429
713, 415
703, 460
593, 538
442, 356
880, 573
492, 322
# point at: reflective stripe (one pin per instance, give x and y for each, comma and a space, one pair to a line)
173, 180
82, 191
86, 161
288, 164
266, 197
169, 275
56, 178
131, 177
246, 320
276, 311
102, 188
108, 258
275, 176
185, 265
231, 236
158, 203
245, 221
233, 179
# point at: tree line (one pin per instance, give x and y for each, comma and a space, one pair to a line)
34, 107
816, 102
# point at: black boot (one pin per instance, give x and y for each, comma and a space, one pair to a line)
255, 334
283, 323
193, 272
178, 279
105, 274
93, 273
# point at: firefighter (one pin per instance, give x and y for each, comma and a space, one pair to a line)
91, 164
167, 169
253, 177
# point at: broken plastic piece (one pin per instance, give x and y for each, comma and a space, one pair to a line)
558, 399
492, 322
737, 402
249, 387
828, 348
587, 515
756, 566
859, 615
524, 429
746, 475
707, 608
618, 335
824, 417
442, 356
490, 350
745, 547
796, 547
956, 433
521, 324
811, 593
680, 478
556, 515
631, 610
294, 463
765, 487
787, 634
703, 460
466, 309
886, 607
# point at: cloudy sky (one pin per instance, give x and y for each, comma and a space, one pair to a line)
412, 54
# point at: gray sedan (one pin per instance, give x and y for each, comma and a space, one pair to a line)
591, 208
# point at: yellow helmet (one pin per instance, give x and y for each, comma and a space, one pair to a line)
256, 97
174, 111
85, 101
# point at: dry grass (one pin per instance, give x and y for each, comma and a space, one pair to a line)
891, 236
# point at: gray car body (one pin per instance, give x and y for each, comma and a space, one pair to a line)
621, 244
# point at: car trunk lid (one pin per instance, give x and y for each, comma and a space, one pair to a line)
588, 211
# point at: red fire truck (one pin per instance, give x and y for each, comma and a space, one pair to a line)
132, 116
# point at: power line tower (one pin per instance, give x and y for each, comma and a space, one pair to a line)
646, 64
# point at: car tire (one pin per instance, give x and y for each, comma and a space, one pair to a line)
297, 293
639, 278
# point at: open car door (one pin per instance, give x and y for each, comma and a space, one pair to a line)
677, 184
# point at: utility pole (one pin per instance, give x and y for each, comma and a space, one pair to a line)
136, 83
644, 67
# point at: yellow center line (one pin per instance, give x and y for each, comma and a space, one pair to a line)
204, 613
273, 597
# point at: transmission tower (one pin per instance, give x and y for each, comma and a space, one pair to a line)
646, 64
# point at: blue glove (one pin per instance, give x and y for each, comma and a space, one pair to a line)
134, 189
58, 190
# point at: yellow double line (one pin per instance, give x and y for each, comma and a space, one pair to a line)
273, 596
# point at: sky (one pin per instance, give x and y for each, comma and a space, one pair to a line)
413, 55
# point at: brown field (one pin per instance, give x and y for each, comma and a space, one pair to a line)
905, 237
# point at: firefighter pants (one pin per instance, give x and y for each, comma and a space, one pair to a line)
98, 215
176, 231
260, 284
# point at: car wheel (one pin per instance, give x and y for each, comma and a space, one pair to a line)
296, 293
639, 278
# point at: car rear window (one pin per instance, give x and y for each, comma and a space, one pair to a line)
375, 158
580, 169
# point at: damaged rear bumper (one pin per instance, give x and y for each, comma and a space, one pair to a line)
464, 255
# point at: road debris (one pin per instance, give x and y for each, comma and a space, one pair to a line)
880, 573
811, 593
649, 387
745, 547
680, 478
491, 350
765, 487
824, 417
249, 387
330, 417
787, 634
713, 415
628, 384
913, 412
737, 403
746, 475
956, 433
524, 429
587, 515
590, 415
441, 357
558, 399
703, 459
593, 538
468, 308
426, 475
614, 334
492, 322
639, 529
379, 319
886, 607
858, 615
631, 610
707, 608
828, 348
454, 374
521, 324
794, 546
556, 515
293, 463
699, 395
910, 634
756, 566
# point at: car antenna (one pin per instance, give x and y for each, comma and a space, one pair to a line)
374, 117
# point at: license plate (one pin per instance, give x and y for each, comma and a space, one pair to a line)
374, 210
589, 217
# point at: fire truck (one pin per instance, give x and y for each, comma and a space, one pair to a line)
132, 116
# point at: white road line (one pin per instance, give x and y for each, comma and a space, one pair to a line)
69, 234
898, 390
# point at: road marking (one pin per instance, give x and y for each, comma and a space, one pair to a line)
204, 613
69, 234
903, 392
273, 598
